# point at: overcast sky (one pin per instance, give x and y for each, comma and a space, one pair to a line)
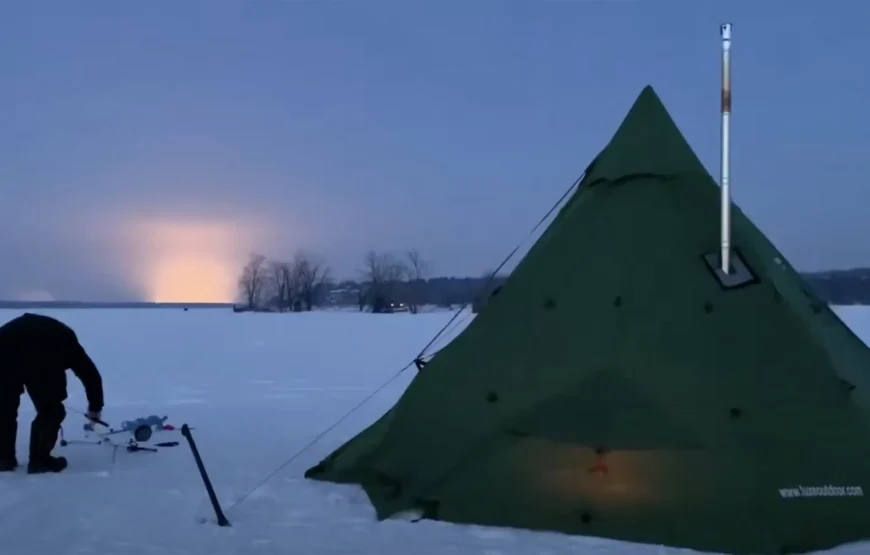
147, 147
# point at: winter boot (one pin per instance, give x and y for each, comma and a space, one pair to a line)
43, 436
8, 464
43, 465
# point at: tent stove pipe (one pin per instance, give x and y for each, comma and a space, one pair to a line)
725, 185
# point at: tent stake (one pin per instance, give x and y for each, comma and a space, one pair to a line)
725, 30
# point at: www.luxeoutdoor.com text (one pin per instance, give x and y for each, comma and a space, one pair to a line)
821, 491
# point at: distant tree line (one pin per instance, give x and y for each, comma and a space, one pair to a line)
296, 285
841, 287
388, 282
391, 282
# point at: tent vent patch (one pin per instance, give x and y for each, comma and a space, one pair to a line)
740, 275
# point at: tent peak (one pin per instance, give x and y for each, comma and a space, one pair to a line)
647, 142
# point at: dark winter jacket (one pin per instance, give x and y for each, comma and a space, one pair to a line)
34, 344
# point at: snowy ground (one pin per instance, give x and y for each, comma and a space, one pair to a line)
258, 388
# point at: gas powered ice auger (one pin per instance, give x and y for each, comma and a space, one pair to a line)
141, 434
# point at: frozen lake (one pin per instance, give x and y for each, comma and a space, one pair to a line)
258, 388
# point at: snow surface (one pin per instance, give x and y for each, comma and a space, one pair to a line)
257, 388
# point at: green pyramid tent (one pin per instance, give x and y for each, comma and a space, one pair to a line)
621, 386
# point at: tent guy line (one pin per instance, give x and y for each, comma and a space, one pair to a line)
507, 259
318, 437
419, 357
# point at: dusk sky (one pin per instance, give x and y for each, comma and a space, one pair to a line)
146, 147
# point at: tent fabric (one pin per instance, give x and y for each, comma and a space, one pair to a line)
616, 388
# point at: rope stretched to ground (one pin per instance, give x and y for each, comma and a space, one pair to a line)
419, 357
319, 436
504, 262
446, 337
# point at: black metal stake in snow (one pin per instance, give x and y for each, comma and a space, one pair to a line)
219, 513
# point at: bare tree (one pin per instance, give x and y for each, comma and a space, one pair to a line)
253, 281
308, 275
418, 271
282, 278
370, 291
382, 272
394, 270
371, 266
417, 267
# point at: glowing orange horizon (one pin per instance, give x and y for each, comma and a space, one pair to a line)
197, 279
189, 261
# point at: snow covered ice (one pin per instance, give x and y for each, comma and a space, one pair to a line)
257, 388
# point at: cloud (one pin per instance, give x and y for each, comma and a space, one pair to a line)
34, 295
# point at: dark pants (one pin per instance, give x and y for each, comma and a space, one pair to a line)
47, 392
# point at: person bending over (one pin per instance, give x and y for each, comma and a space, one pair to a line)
35, 353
